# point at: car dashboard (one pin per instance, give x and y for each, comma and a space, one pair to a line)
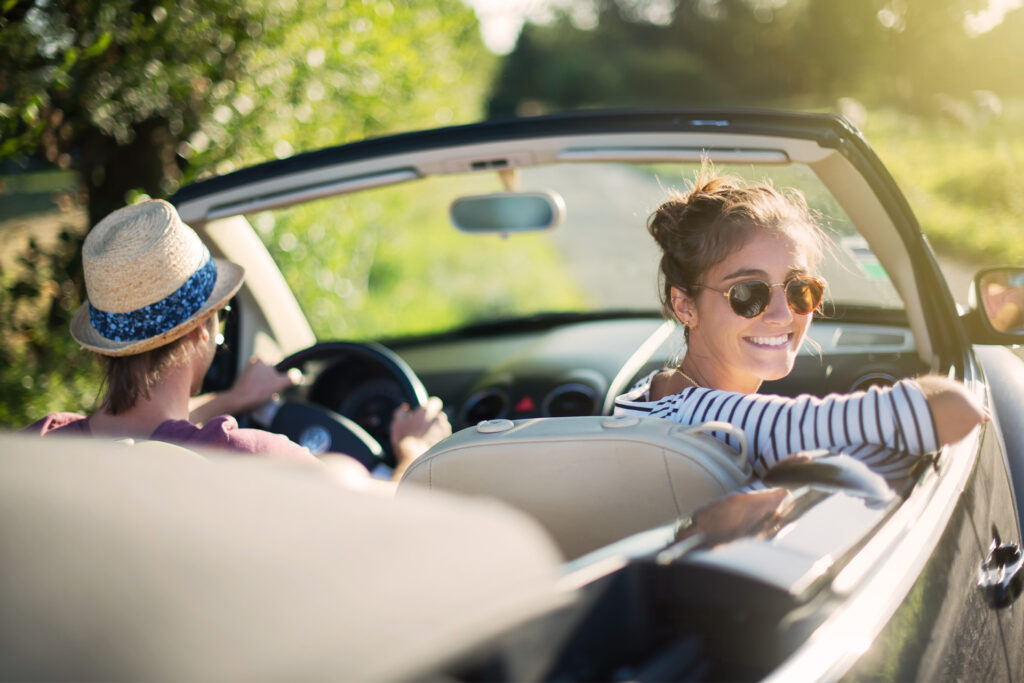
568, 368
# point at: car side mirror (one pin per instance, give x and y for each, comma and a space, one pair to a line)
996, 302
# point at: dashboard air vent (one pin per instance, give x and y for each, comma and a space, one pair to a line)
487, 404
570, 400
873, 379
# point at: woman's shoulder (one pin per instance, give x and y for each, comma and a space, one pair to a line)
637, 394
654, 390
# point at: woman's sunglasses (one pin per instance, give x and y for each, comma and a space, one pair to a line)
750, 298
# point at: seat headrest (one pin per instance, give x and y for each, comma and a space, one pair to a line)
124, 564
588, 480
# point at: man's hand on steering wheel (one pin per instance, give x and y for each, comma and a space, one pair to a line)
257, 384
414, 430
323, 428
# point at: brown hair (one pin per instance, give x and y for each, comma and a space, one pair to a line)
698, 229
130, 378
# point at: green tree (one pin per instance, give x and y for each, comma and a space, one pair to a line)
762, 52
144, 95
622, 61
895, 50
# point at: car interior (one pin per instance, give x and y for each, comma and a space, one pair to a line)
563, 350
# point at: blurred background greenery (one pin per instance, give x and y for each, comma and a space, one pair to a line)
126, 98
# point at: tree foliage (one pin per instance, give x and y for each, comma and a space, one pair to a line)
41, 367
147, 94
762, 52
141, 96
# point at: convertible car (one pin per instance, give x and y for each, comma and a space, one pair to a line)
505, 267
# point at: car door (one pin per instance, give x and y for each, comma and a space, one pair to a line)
943, 629
994, 512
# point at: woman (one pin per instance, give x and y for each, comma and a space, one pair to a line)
154, 293
738, 272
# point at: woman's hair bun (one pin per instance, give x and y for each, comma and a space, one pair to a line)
703, 202
664, 221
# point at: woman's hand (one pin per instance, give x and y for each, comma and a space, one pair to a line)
955, 410
736, 515
414, 431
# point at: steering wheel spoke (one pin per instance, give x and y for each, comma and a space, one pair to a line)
321, 430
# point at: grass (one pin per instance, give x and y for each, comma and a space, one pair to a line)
963, 179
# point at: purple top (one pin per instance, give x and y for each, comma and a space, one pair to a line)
219, 432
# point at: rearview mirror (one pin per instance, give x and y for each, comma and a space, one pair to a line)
997, 297
506, 212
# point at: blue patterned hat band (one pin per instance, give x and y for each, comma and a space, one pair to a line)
161, 316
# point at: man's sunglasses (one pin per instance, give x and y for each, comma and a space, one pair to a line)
751, 297
222, 319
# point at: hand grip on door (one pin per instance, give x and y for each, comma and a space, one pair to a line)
1000, 578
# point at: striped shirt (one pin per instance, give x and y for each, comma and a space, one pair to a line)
886, 428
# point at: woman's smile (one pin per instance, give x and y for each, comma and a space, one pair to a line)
779, 341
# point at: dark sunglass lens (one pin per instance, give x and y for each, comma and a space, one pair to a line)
749, 299
804, 295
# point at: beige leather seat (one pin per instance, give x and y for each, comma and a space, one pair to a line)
150, 563
163, 449
588, 480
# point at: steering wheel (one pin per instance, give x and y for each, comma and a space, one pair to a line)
322, 429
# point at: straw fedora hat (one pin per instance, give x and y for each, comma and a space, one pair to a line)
149, 279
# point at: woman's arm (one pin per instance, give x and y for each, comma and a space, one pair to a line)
956, 411
901, 422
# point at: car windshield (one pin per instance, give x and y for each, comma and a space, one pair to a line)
387, 262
